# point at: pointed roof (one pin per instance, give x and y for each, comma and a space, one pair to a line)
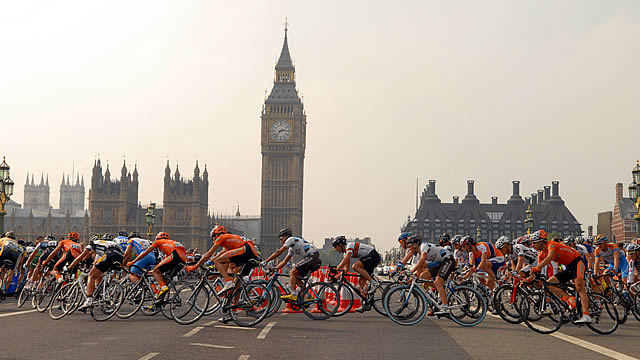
47, 182
27, 183
42, 179
284, 62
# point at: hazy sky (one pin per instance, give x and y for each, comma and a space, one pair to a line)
492, 91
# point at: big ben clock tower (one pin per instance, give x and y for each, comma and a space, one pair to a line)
283, 142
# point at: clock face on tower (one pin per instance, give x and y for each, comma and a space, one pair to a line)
280, 130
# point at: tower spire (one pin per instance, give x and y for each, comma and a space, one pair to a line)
284, 62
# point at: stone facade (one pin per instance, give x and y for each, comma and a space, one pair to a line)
72, 195
36, 196
283, 143
493, 219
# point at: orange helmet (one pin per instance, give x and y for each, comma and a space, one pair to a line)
162, 235
73, 236
217, 230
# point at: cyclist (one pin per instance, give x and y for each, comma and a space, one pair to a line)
135, 246
445, 241
175, 256
633, 256
367, 260
110, 257
441, 259
461, 256
299, 246
612, 255
583, 250
236, 252
9, 253
574, 270
122, 239
522, 258
485, 257
46, 246
69, 248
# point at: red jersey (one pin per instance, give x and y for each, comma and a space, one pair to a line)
168, 246
230, 241
564, 254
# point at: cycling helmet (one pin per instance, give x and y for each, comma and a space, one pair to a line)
502, 241
95, 237
456, 240
162, 235
569, 240
414, 239
10, 235
22, 243
632, 247
107, 237
123, 233
537, 236
340, 240
285, 232
444, 239
49, 237
134, 234
579, 240
404, 236
524, 240
601, 239
468, 240
74, 236
217, 230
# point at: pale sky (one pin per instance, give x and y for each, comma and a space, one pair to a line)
493, 91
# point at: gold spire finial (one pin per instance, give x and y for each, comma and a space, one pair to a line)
286, 24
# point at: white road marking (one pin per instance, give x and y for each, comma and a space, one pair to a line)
193, 331
243, 357
233, 327
585, 344
18, 313
265, 331
149, 356
213, 346
211, 323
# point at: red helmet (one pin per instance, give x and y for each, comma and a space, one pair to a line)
218, 230
73, 236
162, 235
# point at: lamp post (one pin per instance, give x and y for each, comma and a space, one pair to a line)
478, 233
528, 221
6, 190
634, 193
149, 219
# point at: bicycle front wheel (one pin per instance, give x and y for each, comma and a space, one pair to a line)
468, 307
134, 297
405, 306
62, 302
107, 304
604, 315
250, 304
320, 301
45, 295
24, 296
544, 317
189, 304
378, 297
508, 311
346, 300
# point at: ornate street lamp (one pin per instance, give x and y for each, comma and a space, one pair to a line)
528, 221
635, 195
149, 219
6, 190
478, 234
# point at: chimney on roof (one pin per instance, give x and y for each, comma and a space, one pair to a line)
527, 201
516, 188
555, 188
494, 200
456, 200
619, 188
540, 196
432, 186
534, 199
547, 193
470, 188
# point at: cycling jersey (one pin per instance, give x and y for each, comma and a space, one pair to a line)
582, 250
138, 245
102, 246
529, 255
434, 252
300, 246
123, 241
588, 247
607, 254
71, 246
167, 247
461, 256
7, 243
633, 265
564, 254
358, 250
230, 241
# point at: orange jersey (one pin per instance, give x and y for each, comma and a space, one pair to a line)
564, 254
230, 241
168, 246
70, 245
486, 248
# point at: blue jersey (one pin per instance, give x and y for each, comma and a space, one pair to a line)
589, 248
138, 245
122, 241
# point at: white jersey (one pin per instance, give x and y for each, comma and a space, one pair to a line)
434, 252
299, 246
530, 255
461, 256
358, 250
582, 250
101, 246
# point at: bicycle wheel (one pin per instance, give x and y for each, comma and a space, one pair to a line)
620, 304
635, 306
378, 296
134, 297
509, 312
550, 317
149, 307
46, 295
405, 306
164, 302
62, 302
274, 294
320, 301
189, 303
468, 307
346, 299
604, 315
108, 302
25, 294
250, 304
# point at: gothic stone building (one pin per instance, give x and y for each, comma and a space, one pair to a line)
434, 217
283, 142
622, 225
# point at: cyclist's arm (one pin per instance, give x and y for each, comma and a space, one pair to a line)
284, 261
483, 259
421, 262
144, 253
345, 261
596, 266
206, 256
590, 261
520, 264
53, 253
80, 258
33, 255
616, 260
548, 259
277, 253
407, 257
127, 254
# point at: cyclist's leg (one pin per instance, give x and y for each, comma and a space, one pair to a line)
364, 275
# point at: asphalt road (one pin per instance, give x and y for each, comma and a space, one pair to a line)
26, 334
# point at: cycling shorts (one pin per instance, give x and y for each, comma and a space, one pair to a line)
242, 255
146, 263
370, 261
496, 263
10, 255
574, 270
444, 269
170, 262
109, 260
309, 264
65, 260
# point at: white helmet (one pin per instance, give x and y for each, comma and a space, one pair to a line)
502, 241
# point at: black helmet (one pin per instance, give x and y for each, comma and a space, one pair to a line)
444, 239
414, 239
21, 242
340, 240
106, 237
134, 234
10, 235
123, 233
50, 237
285, 232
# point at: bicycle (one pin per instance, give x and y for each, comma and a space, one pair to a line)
621, 299
373, 298
195, 299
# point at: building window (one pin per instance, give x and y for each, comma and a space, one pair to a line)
180, 216
495, 215
108, 216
